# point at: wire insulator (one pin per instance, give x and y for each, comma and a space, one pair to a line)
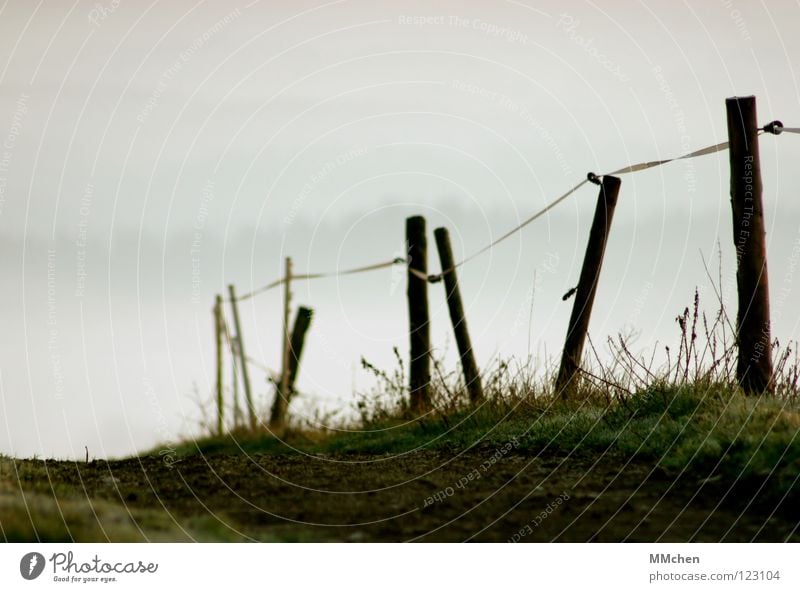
774, 127
592, 178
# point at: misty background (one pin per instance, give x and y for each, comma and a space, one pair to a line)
152, 153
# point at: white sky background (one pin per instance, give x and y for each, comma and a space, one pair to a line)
147, 129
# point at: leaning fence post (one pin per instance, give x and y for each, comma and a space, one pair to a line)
242, 357
472, 377
587, 285
418, 319
218, 330
754, 366
301, 324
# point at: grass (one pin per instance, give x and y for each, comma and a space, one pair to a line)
714, 429
712, 433
39, 505
684, 416
38, 508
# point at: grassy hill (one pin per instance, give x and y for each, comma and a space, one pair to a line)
666, 440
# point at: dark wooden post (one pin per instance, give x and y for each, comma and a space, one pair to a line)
302, 322
418, 319
587, 285
282, 398
242, 357
754, 366
454, 304
218, 330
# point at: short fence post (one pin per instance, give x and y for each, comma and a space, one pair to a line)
472, 377
418, 318
282, 399
242, 357
218, 330
302, 322
754, 366
587, 285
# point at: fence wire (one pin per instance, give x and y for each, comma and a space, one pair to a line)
774, 127
233, 345
314, 276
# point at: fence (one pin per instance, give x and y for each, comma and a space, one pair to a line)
754, 366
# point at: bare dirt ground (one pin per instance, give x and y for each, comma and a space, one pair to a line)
434, 496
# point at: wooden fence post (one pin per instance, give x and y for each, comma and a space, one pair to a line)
418, 318
282, 398
242, 357
754, 366
218, 329
472, 377
285, 342
587, 285
281, 402
302, 322
237, 410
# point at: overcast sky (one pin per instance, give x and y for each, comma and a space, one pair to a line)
152, 153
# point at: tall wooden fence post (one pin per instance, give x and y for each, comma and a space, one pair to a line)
242, 357
237, 410
754, 366
281, 402
219, 328
301, 324
287, 307
472, 377
418, 318
587, 285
